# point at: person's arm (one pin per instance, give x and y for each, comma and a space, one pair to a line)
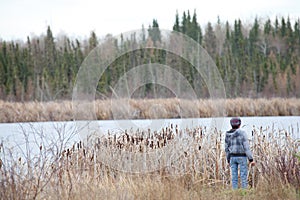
227, 149
247, 147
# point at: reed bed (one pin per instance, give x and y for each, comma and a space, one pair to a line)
110, 167
147, 109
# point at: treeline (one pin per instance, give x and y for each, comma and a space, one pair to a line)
255, 60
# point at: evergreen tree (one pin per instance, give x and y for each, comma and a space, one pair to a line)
154, 32
210, 40
184, 23
93, 41
276, 27
50, 52
176, 26
261, 59
283, 27
267, 27
189, 26
195, 32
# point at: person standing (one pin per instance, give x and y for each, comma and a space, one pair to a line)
238, 153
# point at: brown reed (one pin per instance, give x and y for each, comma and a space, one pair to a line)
86, 170
147, 109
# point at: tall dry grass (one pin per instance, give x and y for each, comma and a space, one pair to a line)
200, 171
147, 109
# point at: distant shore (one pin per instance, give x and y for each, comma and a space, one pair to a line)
12, 112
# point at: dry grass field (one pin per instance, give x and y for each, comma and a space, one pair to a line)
110, 167
148, 109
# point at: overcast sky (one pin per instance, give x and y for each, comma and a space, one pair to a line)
77, 18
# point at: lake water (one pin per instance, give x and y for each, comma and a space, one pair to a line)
27, 138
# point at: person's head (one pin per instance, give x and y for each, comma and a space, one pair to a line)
235, 122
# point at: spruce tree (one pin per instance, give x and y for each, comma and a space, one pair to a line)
176, 26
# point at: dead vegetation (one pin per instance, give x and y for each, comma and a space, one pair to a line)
147, 109
171, 163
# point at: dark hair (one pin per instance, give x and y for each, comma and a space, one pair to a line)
235, 122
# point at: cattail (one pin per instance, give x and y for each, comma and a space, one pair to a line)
84, 152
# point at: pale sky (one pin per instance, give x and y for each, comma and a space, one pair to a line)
77, 18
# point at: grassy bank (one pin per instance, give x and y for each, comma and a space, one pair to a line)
147, 109
199, 172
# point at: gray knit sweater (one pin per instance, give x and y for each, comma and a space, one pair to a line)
237, 144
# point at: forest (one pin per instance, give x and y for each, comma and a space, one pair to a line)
255, 60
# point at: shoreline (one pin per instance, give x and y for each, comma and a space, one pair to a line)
14, 112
